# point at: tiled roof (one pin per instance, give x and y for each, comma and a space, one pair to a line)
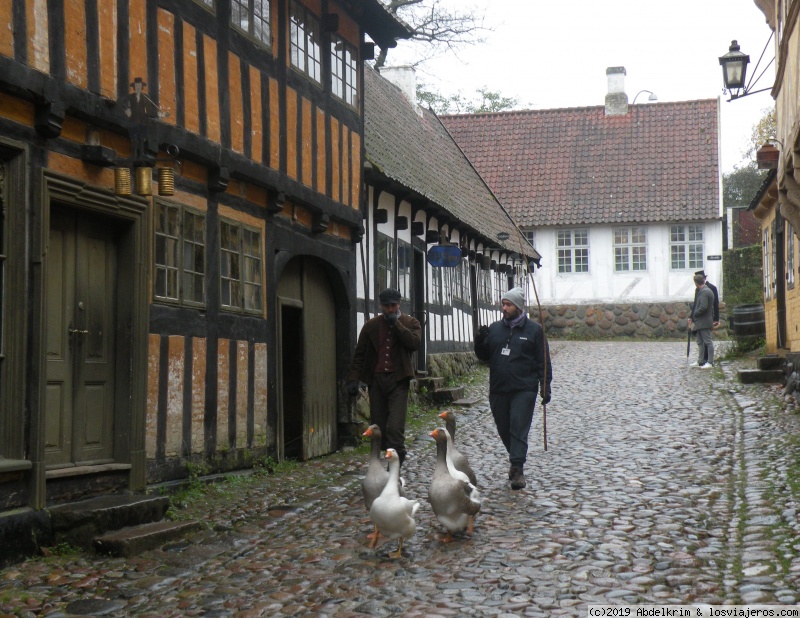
658, 162
416, 151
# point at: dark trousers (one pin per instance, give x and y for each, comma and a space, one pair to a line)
513, 414
388, 403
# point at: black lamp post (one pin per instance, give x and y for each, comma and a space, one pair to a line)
734, 68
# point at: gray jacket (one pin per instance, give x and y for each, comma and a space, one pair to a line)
703, 316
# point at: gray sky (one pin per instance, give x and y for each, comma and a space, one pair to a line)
554, 54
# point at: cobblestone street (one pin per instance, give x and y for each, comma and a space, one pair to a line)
661, 485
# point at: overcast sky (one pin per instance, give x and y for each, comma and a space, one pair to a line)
555, 54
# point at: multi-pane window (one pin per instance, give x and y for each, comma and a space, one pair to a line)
465, 279
789, 255
252, 16
686, 247
180, 254
529, 236
344, 70
436, 286
447, 286
630, 249
404, 257
773, 267
241, 267
305, 41
385, 262
573, 251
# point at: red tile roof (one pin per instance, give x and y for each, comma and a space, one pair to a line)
576, 166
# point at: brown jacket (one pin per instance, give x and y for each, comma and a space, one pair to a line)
365, 358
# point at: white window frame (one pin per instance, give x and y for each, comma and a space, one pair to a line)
253, 18
686, 246
572, 251
344, 70
305, 41
630, 249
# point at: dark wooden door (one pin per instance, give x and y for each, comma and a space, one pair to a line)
80, 315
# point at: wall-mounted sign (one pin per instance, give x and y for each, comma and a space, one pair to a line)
440, 256
713, 258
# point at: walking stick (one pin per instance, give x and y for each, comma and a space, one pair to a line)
688, 344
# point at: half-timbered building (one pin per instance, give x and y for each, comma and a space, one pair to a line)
426, 201
181, 189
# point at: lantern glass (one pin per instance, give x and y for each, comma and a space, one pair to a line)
734, 67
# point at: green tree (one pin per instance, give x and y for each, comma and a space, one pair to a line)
436, 26
740, 186
763, 131
483, 101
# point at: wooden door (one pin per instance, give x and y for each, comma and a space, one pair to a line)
80, 318
319, 340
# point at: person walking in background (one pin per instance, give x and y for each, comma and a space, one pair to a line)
715, 311
519, 367
702, 321
383, 361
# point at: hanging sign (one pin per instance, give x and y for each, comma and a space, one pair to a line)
713, 258
444, 256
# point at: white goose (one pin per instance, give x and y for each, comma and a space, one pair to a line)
377, 475
455, 501
458, 458
393, 514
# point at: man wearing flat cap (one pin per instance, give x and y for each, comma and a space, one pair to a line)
383, 360
715, 307
519, 368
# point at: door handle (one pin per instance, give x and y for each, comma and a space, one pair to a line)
76, 331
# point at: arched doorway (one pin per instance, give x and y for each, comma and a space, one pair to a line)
306, 372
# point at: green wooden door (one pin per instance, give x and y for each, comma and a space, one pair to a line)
80, 316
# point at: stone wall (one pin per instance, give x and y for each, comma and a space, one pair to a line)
619, 320
451, 365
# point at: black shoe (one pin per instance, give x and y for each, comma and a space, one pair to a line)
517, 478
511, 472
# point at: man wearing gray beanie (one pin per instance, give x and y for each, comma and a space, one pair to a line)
519, 368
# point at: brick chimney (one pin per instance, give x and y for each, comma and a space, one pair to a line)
616, 99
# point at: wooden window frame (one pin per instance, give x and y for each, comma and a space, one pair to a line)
344, 71
305, 26
236, 272
247, 10
180, 268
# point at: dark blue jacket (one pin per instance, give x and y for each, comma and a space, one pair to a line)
524, 367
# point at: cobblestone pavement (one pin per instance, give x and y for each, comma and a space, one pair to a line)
661, 485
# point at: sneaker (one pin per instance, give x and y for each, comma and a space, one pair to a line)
707, 366
695, 364
517, 478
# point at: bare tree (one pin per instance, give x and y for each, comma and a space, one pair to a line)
436, 25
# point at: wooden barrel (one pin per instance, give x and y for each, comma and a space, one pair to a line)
748, 321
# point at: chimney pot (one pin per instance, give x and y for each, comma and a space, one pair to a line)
616, 99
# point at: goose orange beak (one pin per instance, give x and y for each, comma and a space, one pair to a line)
444, 414
368, 432
434, 433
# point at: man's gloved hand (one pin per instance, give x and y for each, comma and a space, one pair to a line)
392, 318
482, 333
352, 388
546, 397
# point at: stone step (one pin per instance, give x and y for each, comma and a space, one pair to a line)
429, 383
771, 361
761, 376
448, 395
466, 401
134, 540
78, 523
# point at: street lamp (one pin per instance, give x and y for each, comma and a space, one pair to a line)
734, 71
652, 97
734, 67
